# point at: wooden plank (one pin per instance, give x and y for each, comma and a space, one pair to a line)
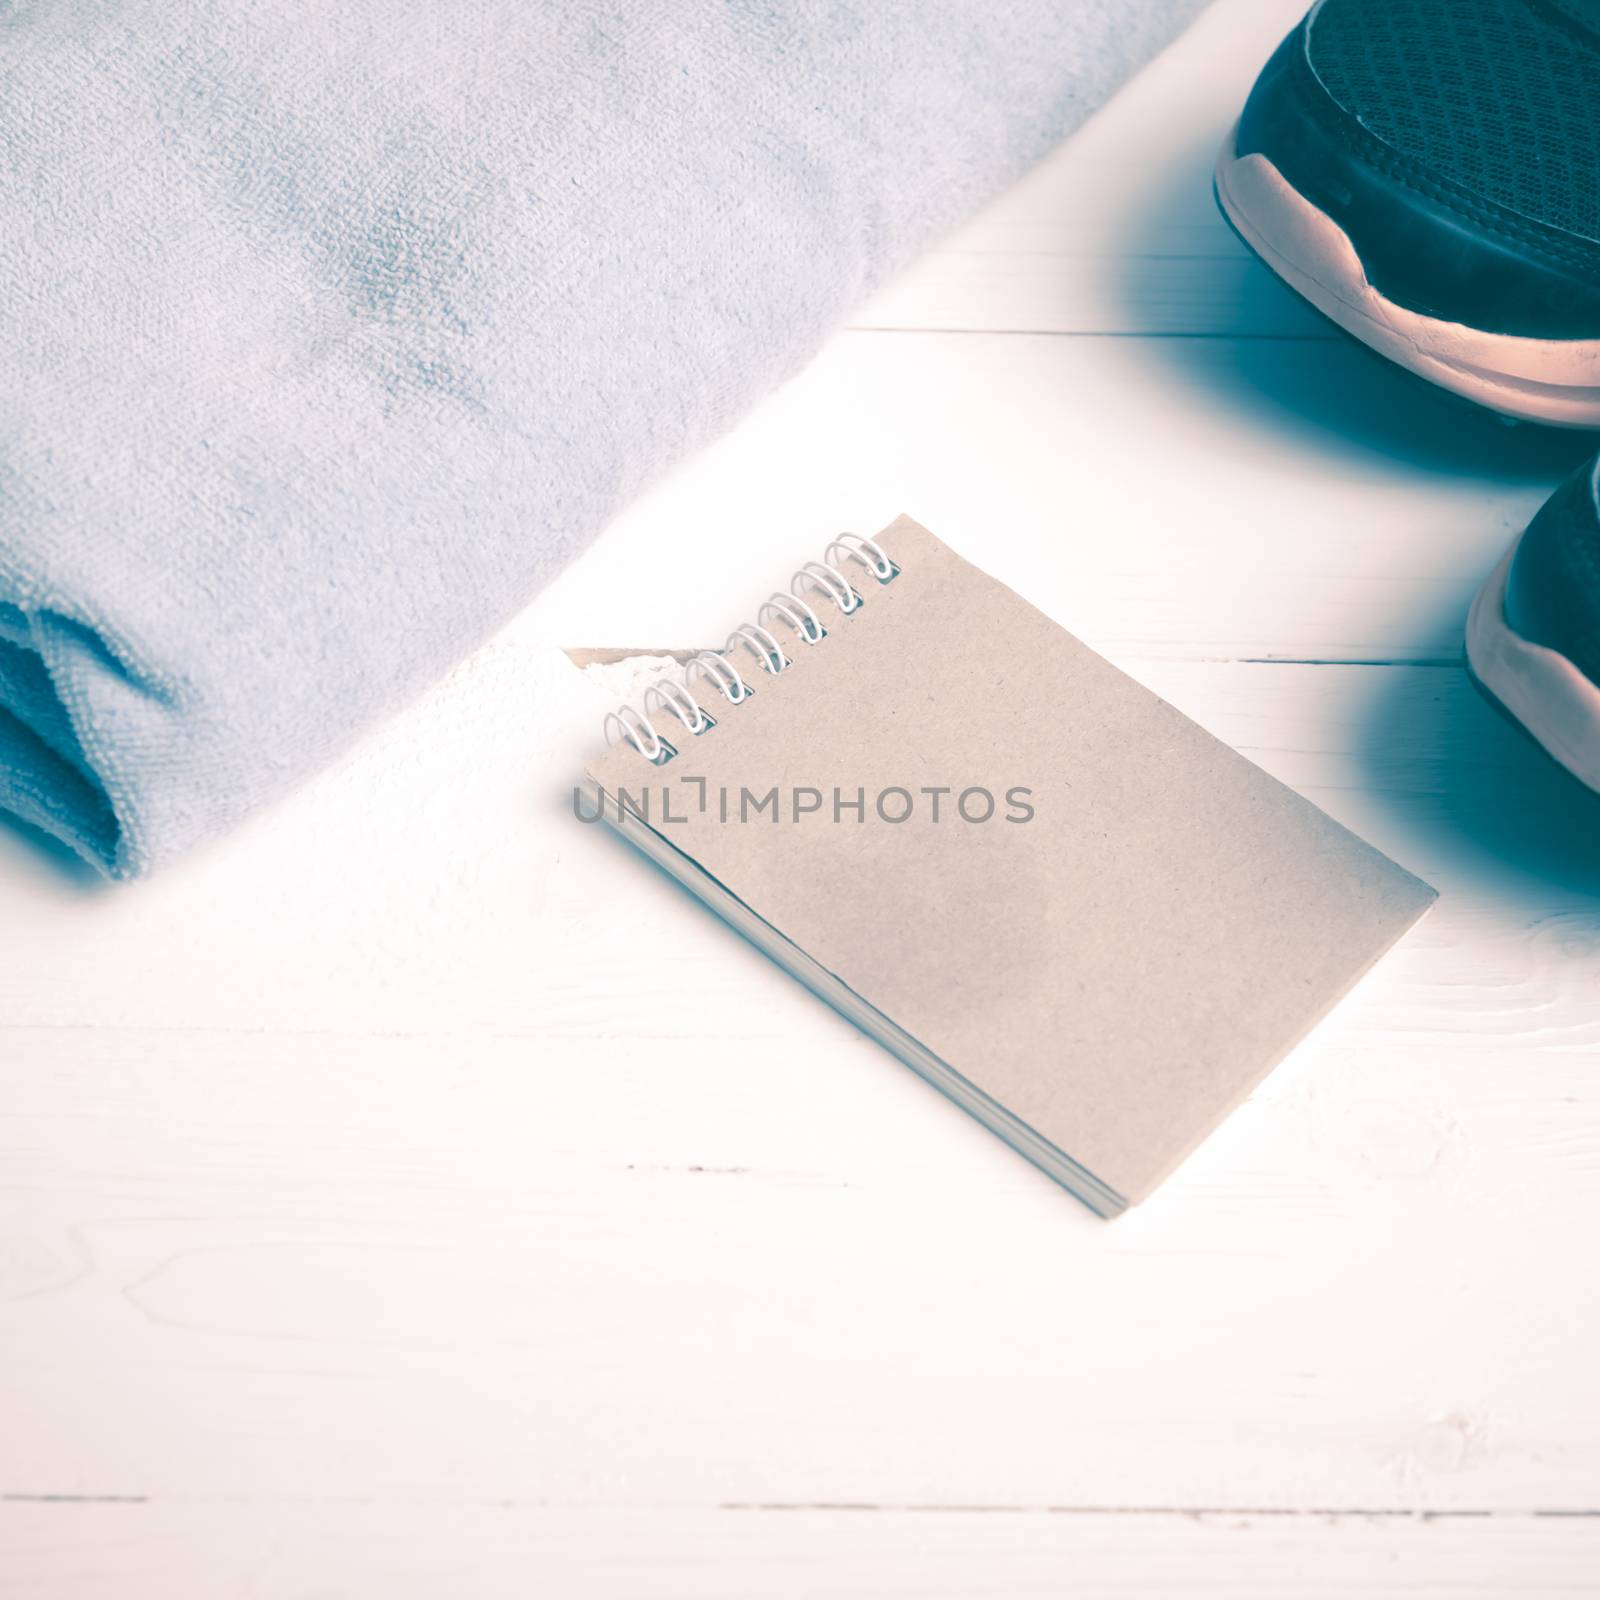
527, 923
403, 1269
1188, 497
783, 1271
288, 1551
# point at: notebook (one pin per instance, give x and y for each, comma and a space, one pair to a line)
1090, 923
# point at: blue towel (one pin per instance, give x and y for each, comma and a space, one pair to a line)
328, 332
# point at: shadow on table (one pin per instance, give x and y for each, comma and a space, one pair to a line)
1261, 349
1475, 798
29, 853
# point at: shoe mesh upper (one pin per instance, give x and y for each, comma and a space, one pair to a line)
1501, 97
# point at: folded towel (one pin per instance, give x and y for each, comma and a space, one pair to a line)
329, 332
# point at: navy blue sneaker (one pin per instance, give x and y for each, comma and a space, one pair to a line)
1533, 636
1427, 173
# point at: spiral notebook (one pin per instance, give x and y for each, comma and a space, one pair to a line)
1090, 923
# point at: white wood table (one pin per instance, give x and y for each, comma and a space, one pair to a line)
415, 1195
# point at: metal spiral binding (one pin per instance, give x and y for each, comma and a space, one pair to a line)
787, 608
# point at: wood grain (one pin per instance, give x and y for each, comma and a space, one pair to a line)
413, 1193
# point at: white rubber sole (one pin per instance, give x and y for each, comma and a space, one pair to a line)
1554, 381
1544, 691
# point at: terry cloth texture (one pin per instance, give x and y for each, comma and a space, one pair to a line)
329, 332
